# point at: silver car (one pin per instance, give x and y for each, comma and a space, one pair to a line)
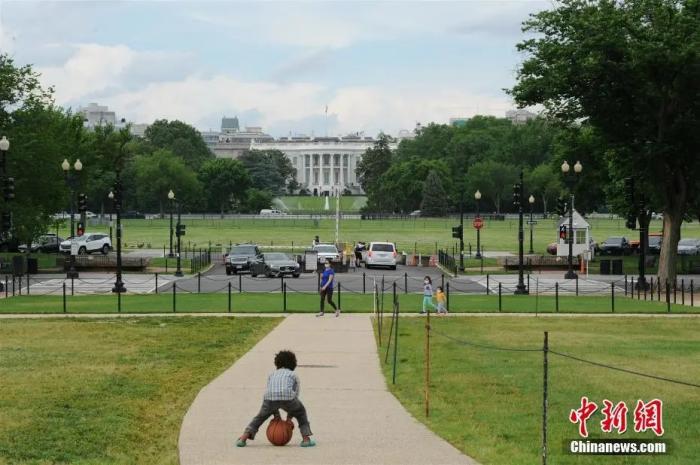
279, 264
689, 247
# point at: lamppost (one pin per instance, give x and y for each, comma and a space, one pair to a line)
111, 197
477, 197
179, 232
461, 230
531, 200
171, 197
8, 188
72, 179
570, 180
518, 190
116, 196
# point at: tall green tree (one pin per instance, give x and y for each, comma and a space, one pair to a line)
375, 162
269, 170
630, 69
157, 173
226, 183
494, 180
181, 139
434, 201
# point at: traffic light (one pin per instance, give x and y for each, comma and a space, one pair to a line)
180, 230
6, 222
457, 232
9, 189
516, 195
80, 229
561, 206
82, 203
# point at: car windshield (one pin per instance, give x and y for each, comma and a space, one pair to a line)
614, 240
275, 257
243, 250
382, 247
326, 249
688, 242
653, 240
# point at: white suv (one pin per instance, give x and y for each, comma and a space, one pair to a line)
88, 243
381, 254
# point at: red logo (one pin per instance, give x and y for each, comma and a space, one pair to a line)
478, 223
647, 416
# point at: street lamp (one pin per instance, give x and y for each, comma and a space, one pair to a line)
111, 197
477, 197
518, 190
570, 180
72, 180
461, 230
179, 231
531, 200
171, 197
8, 188
116, 197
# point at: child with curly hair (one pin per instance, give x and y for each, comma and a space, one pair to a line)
282, 393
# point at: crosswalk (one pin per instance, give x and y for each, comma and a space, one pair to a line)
137, 284
548, 285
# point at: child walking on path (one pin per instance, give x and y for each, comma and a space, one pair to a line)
282, 393
427, 294
441, 301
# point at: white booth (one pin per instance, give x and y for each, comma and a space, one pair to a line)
582, 237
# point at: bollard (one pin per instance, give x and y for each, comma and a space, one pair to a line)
284, 296
405, 283
199, 283
393, 287
576, 285
364, 284
64, 297
72, 286
487, 284
447, 295
682, 291
625, 285
119, 302
499, 297
612, 296
240, 284
556, 296
156, 291
174, 294
229, 296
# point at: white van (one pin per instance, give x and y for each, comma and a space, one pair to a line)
381, 254
270, 212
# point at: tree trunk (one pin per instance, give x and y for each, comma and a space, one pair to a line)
673, 217
544, 206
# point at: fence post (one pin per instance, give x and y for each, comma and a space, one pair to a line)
229, 296
528, 282
487, 284
405, 283
8, 290
393, 290
632, 287
544, 397
556, 296
658, 289
447, 295
72, 286
28, 278
675, 287
284, 295
499, 297
174, 296
682, 291
339, 296
625, 285
240, 284
364, 284
668, 297
442, 280
156, 283
199, 283
119, 301
427, 364
396, 340
64, 296
612, 296
651, 288
692, 300
576, 285
13, 286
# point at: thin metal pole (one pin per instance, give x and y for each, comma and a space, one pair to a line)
556, 296
229, 296
64, 297
427, 364
174, 294
499, 297
612, 296
545, 382
396, 340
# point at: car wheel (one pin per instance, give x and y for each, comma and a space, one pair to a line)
295, 275
105, 249
393, 267
228, 272
82, 251
253, 275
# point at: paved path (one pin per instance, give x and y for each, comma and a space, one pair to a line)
354, 418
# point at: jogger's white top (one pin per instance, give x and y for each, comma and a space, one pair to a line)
354, 418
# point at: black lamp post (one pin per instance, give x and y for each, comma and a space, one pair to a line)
8, 188
477, 197
171, 197
179, 231
570, 180
531, 201
72, 179
111, 197
461, 230
116, 197
518, 195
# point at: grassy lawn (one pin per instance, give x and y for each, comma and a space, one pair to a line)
306, 302
109, 391
488, 403
307, 204
419, 234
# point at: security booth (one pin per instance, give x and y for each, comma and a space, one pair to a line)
581, 237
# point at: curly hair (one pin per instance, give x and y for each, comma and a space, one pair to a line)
286, 359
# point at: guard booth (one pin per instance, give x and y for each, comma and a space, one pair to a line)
581, 234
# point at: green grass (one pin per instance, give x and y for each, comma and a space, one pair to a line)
419, 234
110, 391
169, 263
307, 302
488, 403
307, 204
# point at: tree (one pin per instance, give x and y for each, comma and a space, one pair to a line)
434, 196
630, 69
269, 170
256, 200
544, 183
181, 139
375, 162
157, 173
226, 183
493, 179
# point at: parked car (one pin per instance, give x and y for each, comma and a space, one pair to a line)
48, 243
381, 254
88, 243
655, 244
133, 215
327, 252
271, 212
240, 258
414, 213
615, 246
689, 247
278, 264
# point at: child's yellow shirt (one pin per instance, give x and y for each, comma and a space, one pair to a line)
440, 297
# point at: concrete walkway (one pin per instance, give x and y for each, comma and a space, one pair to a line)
354, 418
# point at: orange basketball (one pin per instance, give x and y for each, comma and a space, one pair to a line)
279, 432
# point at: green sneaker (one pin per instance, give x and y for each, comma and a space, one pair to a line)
309, 443
240, 443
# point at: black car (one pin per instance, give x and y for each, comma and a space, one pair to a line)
615, 246
240, 257
45, 244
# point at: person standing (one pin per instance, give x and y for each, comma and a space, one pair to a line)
326, 291
360, 248
427, 294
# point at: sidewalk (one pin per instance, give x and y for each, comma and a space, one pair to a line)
354, 418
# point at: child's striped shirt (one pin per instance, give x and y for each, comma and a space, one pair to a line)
282, 384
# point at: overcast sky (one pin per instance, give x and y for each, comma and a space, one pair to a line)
374, 65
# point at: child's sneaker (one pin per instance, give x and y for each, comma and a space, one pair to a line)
320, 314
307, 443
241, 442
337, 313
